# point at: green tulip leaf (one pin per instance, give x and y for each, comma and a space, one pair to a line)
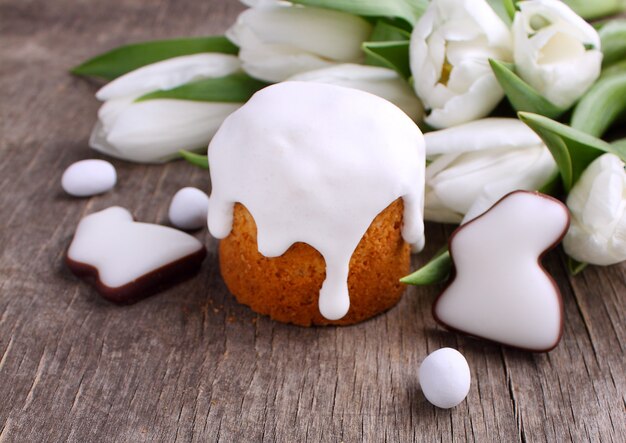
522, 96
385, 31
601, 105
393, 55
437, 270
615, 69
572, 149
511, 8
575, 267
613, 41
199, 160
407, 10
551, 186
593, 9
504, 8
619, 146
119, 61
234, 88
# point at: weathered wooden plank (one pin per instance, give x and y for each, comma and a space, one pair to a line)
193, 365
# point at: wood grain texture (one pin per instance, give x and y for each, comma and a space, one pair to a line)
193, 365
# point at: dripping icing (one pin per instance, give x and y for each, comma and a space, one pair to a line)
316, 163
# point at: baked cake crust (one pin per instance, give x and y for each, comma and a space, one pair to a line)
287, 287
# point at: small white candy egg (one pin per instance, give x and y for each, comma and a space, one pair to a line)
189, 209
89, 177
445, 378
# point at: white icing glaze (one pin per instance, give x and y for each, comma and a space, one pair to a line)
500, 291
316, 163
123, 250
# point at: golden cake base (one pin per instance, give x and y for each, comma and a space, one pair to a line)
287, 287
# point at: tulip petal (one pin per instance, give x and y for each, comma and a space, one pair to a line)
530, 177
376, 80
477, 102
604, 202
281, 40
484, 134
597, 202
329, 34
111, 110
491, 174
275, 63
154, 131
169, 74
98, 141
478, 163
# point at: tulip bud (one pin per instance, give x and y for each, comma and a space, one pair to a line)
555, 51
278, 40
379, 81
153, 131
597, 203
477, 163
450, 48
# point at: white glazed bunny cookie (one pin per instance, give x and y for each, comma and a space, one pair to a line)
128, 260
500, 291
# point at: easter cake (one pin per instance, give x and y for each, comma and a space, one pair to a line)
317, 197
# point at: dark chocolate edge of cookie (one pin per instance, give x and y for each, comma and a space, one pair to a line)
145, 286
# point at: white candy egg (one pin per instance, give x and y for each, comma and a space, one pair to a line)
445, 378
189, 209
89, 177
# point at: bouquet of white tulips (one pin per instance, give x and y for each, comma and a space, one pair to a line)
511, 95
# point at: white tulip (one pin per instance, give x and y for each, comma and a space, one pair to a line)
476, 164
379, 81
551, 50
153, 131
278, 39
597, 203
450, 47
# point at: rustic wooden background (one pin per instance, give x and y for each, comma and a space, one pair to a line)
193, 365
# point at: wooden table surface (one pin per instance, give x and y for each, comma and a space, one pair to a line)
191, 364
